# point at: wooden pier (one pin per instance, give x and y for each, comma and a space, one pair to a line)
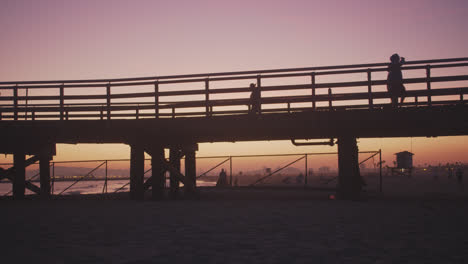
177, 112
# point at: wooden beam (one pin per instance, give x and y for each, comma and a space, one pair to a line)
174, 159
44, 170
158, 177
137, 171
19, 180
190, 169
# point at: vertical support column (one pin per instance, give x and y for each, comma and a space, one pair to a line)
157, 158
174, 159
19, 181
380, 170
137, 171
15, 102
306, 171
349, 178
259, 87
156, 99
44, 170
428, 76
207, 97
314, 103
230, 171
108, 97
62, 101
190, 169
369, 89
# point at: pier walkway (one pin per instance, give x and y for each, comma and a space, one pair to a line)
333, 103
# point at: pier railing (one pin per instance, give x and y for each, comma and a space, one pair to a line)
227, 93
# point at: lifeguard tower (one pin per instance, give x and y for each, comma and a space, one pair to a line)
404, 162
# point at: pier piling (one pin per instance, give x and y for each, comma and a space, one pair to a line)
19, 180
349, 178
137, 170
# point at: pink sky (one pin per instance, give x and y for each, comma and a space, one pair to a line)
108, 39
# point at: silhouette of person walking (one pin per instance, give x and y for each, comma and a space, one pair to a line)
254, 99
222, 179
395, 80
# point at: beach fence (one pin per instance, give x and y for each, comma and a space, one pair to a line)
304, 170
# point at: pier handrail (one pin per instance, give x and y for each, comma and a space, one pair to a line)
183, 76
146, 102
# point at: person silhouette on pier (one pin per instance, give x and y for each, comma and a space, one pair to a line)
254, 99
395, 80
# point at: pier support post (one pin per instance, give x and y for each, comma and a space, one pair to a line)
19, 180
174, 158
349, 178
159, 179
190, 169
44, 171
137, 171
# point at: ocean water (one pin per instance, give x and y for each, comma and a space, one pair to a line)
87, 187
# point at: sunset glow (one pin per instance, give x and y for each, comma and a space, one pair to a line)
57, 40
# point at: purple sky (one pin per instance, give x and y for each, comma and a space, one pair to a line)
105, 39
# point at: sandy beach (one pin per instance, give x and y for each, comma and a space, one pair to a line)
271, 227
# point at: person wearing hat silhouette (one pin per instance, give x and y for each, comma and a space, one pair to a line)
395, 80
254, 99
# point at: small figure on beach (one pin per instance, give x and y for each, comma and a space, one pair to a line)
254, 99
459, 174
222, 179
395, 80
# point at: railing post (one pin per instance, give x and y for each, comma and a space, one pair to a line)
15, 102
380, 170
314, 107
461, 97
108, 94
53, 178
104, 188
137, 111
416, 100
330, 103
259, 87
156, 99
289, 107
369, 88
33, 115
207, 97
26, 105
173, 112
62, 100
230, 170
428, 76
306, 171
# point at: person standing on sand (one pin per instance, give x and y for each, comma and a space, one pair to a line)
459, 174
254, 99
222, 179
395, 80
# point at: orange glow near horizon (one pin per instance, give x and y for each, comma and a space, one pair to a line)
51, 39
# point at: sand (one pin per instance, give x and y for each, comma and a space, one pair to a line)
218, 228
